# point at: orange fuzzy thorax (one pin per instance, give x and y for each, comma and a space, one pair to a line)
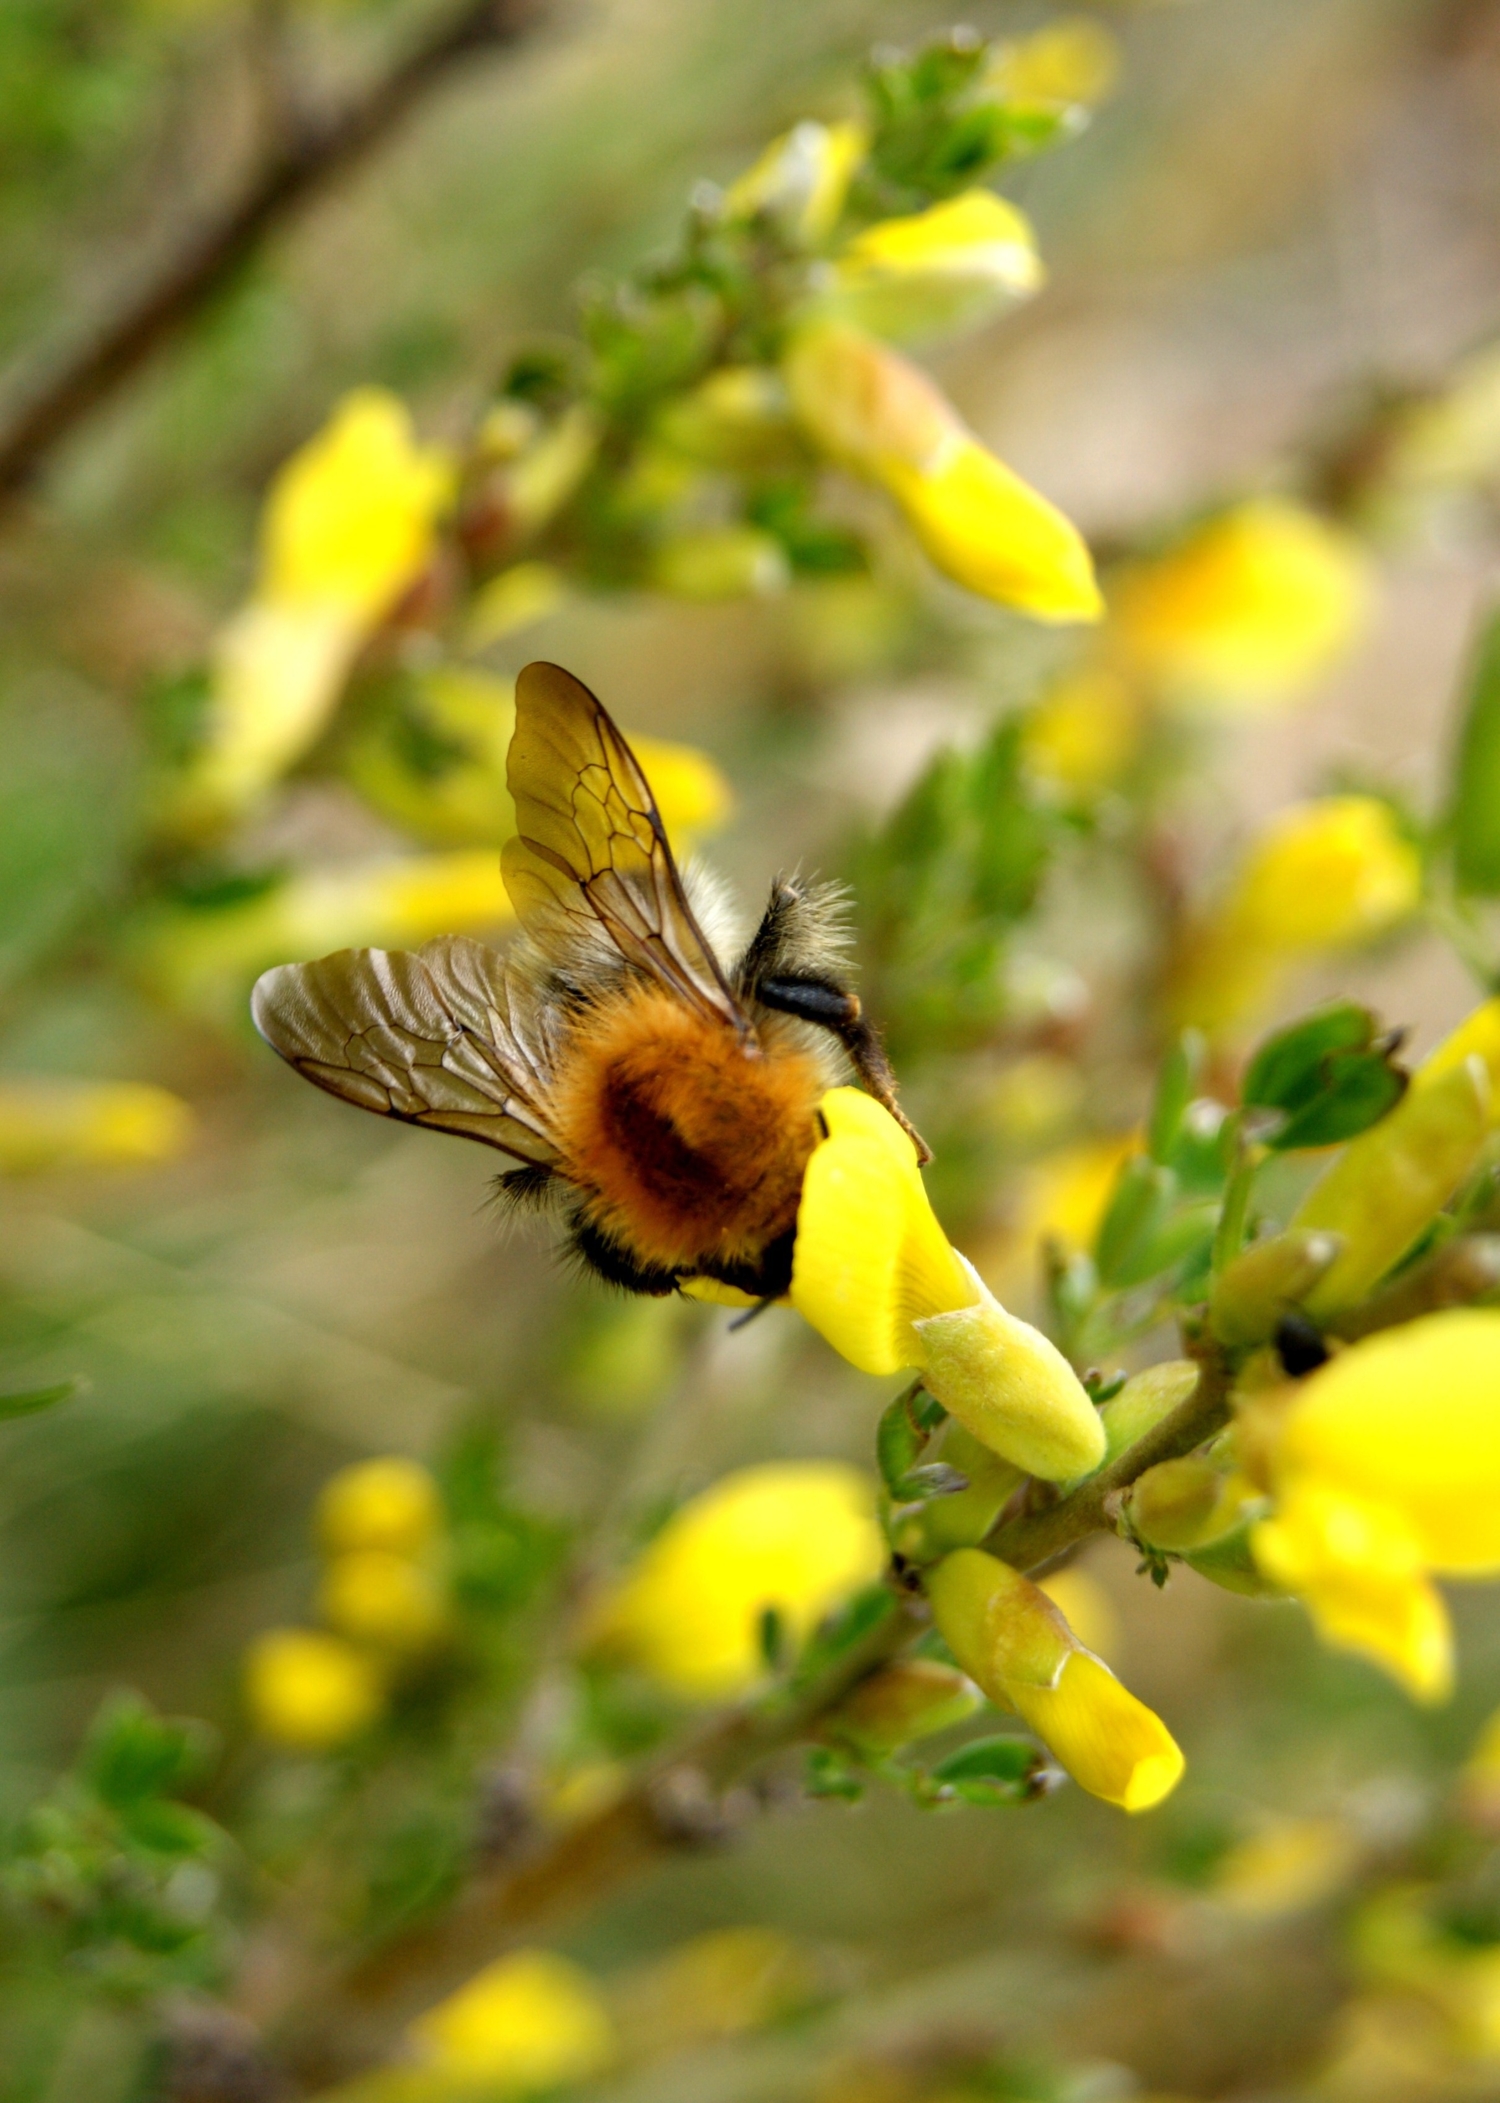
686, 1146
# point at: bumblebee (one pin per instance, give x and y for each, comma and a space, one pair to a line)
664, 1102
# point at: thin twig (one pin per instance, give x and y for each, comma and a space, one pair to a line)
296, 167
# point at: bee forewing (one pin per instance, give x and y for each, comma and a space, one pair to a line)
590, 849
445, 1038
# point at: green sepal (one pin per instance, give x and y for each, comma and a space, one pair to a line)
30, 1400
1175, 1088
1135, 1216
827, 1774
1000, 1770
1475, 812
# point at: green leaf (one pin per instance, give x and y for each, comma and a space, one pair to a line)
826, 1774
1001, 1770
30, 1400
843, 1631
1136, 1213
1475, 814
1175, 1090
1329, 1076
132, 1754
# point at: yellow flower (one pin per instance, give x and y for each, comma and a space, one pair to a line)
373, 1596
874, 1274
1071, 62
799, 1536
1291, 1864
1385, 1469
1087, 1608
1010, 1638
738, 418
978, 522
1251, 607
801, 180
947, 266
75, 1124
526, 592
309, 1691
718, 1985
1085, 731
527, 2022
1322, 875
390, 1503
348, 526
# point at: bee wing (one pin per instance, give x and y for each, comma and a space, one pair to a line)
444, 1037
590, 849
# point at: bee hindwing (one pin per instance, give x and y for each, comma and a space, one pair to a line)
445, 1037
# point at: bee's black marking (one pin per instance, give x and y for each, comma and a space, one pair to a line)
527, 1188
1299, 1344
610, 1260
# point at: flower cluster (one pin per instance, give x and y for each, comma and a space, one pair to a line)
383, 1601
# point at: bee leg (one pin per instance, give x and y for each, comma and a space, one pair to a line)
834, 1008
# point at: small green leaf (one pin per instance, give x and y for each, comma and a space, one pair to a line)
1475, 814
827, 1775
999, 1770
1329, 1076
30, 1400
1136, 1213
131, 1753
1175, 1089
774, 1637
842, 1631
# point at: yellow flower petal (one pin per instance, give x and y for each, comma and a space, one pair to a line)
801, 180
373, 1596
795, 1535
981, 525
947, 266
870, 1257
1325, 874
528, 2022
1111, 1743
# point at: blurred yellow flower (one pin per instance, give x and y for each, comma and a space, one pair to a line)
1399, 1939
526, 592
1385, 1469
1085, 731
47, 1123
309, 1691
1063, 1195
874, 1274
1010, 1638
1074, 61
801, 180
1289, 1865
718, 1985
942, 268
1322, 875
348, 526
389, 1503
979, 523
1087, 1608
737, 418
528, 2022
799, 1536
1250, 607
374, 1596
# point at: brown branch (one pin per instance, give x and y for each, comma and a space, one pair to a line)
341, 2024
294, 171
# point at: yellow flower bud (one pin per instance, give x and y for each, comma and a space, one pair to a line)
1010, 1638
910, 1699
391, 1504
543, 478
1249, 608
517, 597
1146, 1398
873, 1272
977, 521
799, 1536
1182, 1504
528, 2022
309, 1691
738, 418
73, 1124
1074, 61
801, 180
1392, 1181
373, 1596
1385, 1467
942, 268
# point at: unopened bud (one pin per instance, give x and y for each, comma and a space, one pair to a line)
1144, 1401
1012, 1388
1179, 1504
913, 1698
721, 562
391, 1503
1263, 1281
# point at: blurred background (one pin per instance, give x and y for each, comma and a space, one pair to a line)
1284, 212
